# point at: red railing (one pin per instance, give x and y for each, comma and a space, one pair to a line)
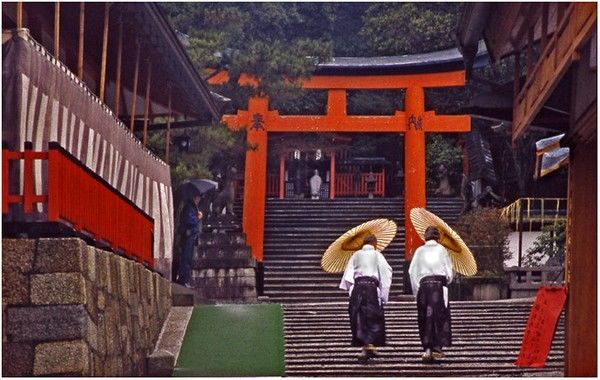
83, 199
353, 185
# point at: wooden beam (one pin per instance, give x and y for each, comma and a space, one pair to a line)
104, 51
19, 14
147, 102
572, 31
168, 137
119, 62
57, 30
517, 74
382, 82
136, 74
544, 31
529, 64
81, 37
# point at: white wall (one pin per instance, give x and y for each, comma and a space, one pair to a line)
513, 245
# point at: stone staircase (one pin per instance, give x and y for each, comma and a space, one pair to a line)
297, 233
486, 341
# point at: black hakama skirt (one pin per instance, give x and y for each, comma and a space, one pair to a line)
367, 320
433, 315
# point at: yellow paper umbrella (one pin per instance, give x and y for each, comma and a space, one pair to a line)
336, 257
460, 255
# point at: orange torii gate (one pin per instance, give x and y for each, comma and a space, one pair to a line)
414, 122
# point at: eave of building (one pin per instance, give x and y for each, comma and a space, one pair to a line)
432, 62
143, 23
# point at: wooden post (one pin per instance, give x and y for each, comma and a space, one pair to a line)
332, 176
147, 103
19, 14
119, 61
544, 26
520, 228
57, 30
255, 179
517, 76
282, 177
529, 51
414, 163
135, 85
81, 35
168, 137
104, 51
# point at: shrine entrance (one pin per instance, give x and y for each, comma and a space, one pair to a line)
293, 158
412, 73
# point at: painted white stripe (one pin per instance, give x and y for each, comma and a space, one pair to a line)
71, 148
139, 196
54, 121
31, 114
80, 139
171, 219
96, 151
65, 126
123, 186
37, 146
102, 160
23, 126
23, 112
41, 125
133, 182
147, 196
117, 170
90, 148
111, 157
165, 221
156, 215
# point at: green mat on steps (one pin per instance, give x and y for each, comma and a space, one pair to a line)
233, 340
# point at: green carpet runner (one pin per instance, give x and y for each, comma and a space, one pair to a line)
233, 340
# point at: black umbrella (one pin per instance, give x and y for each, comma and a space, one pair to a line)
196, 187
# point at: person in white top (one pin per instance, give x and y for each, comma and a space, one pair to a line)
430, 273
367, 278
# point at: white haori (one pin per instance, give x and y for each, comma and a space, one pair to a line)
367, 262
430, 259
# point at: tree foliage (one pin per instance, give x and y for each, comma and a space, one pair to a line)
486, 233
410, 28
440, 151
549, 247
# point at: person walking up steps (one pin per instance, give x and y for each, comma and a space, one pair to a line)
430, 273
367, 278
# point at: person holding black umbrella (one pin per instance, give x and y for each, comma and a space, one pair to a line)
192, 218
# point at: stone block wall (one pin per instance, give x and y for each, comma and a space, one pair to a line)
71, 309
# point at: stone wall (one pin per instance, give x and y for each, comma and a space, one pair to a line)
71, 309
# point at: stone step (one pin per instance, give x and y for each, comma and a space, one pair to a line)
487, 337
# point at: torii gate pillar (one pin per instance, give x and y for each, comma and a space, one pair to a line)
414, 163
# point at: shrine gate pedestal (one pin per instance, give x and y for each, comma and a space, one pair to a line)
414, 122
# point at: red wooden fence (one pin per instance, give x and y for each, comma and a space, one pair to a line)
350, 184
80, 197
